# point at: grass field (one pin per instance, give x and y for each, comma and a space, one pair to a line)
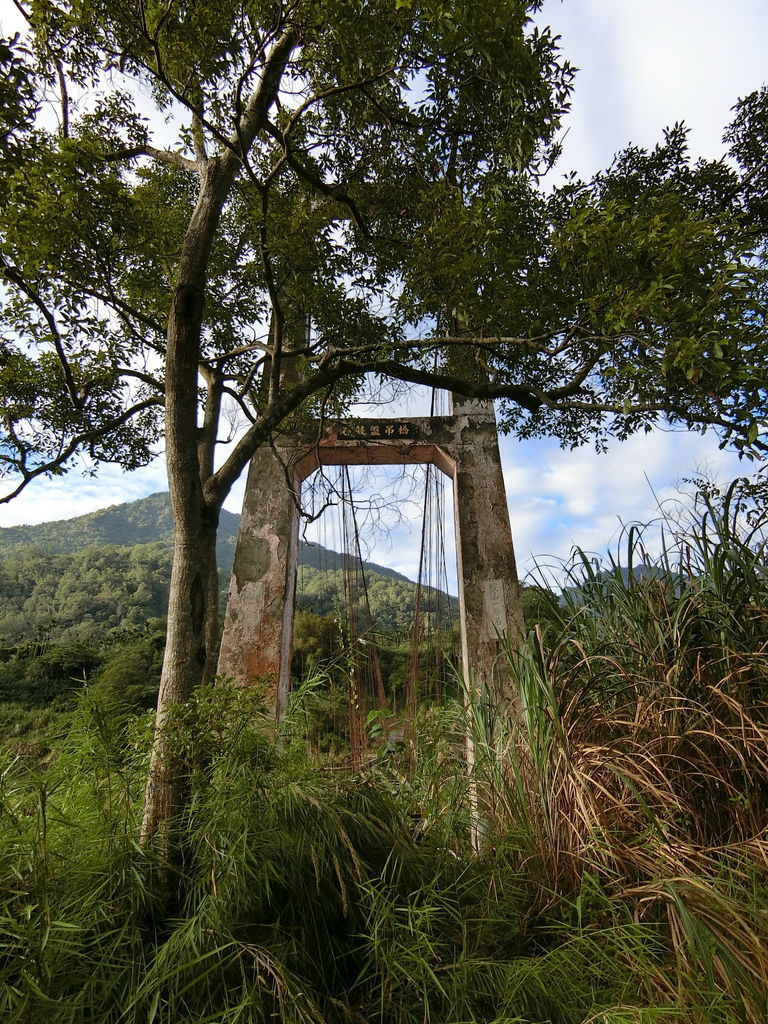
604, 861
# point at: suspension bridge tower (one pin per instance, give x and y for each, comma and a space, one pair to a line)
256, 642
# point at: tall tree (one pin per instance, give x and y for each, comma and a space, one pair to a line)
136, 273
343, 173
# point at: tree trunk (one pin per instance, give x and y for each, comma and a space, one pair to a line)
192, 607
195, 521
211, 629
184, 666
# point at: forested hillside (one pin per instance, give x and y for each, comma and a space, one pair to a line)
86, 595
85, 598
146, 521
80, 579
136, 522
82, 596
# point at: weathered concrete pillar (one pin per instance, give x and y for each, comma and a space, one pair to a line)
489, 592
256, 642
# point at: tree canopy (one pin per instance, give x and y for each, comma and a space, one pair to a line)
355, 110
384, 212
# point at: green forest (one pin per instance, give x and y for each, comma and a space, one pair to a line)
84, 601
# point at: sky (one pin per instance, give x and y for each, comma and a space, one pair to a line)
643, 65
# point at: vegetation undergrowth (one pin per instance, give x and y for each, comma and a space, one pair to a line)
620, 874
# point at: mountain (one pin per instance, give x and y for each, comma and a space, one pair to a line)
145, 521
149, 521
89, 579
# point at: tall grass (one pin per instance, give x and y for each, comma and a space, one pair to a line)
621, 875
639, 756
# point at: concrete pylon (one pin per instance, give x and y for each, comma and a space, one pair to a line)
256, 643
258, 623
489, 591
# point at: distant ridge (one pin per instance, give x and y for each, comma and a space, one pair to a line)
145, 521
149, 521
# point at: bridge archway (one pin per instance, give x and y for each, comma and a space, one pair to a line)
256, 642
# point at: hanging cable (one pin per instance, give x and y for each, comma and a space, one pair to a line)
359, 670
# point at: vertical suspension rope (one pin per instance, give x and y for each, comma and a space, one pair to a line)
354, 723
363, 677
433, 615
336, 531
412, 679
372, 660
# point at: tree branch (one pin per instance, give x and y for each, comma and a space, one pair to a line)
165, 156
206, 443
120, 305
145, 378
331, 191
255, 115
14, 275
85, 437
243, 350
525, 397
243, 406
335, 90
219, 484
64, 98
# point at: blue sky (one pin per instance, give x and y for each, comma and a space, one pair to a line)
644, 64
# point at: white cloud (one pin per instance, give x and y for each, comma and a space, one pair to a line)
75, 495
645, 64
560, 498
11, 19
